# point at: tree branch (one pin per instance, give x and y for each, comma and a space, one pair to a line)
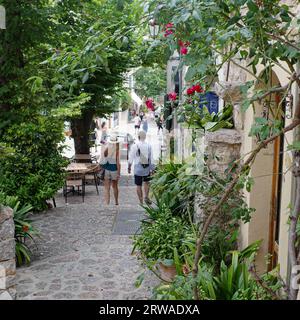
291, 67
227, 193
288, 43
262, 283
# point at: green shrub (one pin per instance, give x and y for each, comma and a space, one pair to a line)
161, 236
175, 188
23, 227
218, 243
231, 282
34, 171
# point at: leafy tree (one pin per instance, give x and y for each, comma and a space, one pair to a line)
31, 166
150, 81
58, 60
95, 66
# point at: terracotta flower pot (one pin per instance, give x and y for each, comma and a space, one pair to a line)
167, 272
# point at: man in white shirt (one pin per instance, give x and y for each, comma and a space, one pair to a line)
142, 156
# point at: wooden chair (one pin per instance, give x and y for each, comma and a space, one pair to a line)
74, 181
91, 175
84, 158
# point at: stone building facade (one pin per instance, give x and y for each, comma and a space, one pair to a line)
273, 191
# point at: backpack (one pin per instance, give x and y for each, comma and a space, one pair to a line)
143, 159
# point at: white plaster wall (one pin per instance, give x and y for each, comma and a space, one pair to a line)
258, 227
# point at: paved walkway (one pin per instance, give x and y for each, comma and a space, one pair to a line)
84, 250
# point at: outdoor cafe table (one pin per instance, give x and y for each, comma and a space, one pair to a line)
79, 167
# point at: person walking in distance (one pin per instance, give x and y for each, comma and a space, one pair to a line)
159, 123
137, 123
145, 124
141, 156
142, 116
103, 133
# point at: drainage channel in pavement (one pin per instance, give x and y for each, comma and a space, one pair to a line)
128, 222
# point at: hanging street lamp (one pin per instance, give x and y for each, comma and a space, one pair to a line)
153, 28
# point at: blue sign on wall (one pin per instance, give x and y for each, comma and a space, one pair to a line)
211, 101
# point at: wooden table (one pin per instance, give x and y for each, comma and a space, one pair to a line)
79, 167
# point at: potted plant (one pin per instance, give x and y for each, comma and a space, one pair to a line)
160, 243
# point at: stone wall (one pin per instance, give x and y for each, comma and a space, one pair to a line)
7, 255
222, 148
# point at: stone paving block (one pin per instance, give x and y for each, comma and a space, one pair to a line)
79, 256
7, 249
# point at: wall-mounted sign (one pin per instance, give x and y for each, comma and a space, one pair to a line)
2, 18
211, 101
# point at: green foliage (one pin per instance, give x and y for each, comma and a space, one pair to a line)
122, 100
219, 241
150, 82
159, 237
34, 171
200, 118
95, 56
175, 188
263, 128
67, 59
255, 32
24, 230
231, 281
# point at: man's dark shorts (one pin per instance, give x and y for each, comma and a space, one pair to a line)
138, 180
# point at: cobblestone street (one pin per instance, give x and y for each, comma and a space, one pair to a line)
82, 255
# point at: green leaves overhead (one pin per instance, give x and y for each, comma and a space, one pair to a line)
150, 81
70, 56
85, 77
255, 32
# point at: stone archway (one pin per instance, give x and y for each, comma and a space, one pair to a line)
265, 194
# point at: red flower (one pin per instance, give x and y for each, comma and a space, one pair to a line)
172, 96
149, 104
197, 88
181, 43
190, 91
168, 32
169, 25
184, 51
25, 228
169, 29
